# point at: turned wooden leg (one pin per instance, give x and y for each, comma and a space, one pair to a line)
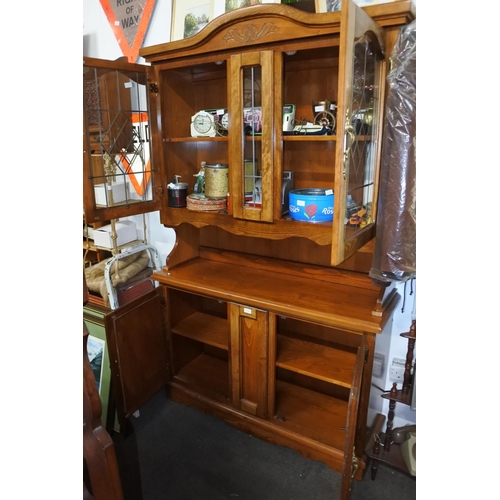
376, 451
390, 418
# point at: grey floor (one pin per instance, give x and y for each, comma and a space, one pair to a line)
173, 452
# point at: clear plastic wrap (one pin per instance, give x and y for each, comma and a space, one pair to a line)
394, 258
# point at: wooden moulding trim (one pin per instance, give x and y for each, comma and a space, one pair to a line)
386, 15
387, 304
392, 13
329, 22
272, 433
119, 64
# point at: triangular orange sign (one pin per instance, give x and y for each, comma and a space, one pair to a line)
129, 21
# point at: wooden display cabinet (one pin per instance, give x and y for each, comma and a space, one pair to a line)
261, 59
118, 179
269, 322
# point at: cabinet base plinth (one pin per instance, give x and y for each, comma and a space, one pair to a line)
263, 429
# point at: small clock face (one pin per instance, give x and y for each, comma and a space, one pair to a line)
202, 122
224, 121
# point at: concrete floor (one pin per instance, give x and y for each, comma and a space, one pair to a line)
177, 453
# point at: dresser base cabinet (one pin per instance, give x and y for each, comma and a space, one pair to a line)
287, 357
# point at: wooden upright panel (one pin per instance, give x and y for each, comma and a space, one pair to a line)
249, 359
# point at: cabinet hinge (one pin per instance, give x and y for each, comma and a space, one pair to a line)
153, 88
366, 354
355, 465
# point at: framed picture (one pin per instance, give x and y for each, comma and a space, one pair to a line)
190, 16
98, 354
95, 351
222, 6
336, 5
327, 5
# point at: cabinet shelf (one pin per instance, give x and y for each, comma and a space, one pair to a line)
204, 328
195, 139
207, 374
311, 414
309, 138
314, 360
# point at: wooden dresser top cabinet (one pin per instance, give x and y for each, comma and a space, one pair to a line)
268, 321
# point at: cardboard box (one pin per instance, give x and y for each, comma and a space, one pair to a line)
126, 231
119, 190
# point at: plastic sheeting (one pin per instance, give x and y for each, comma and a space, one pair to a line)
394, 258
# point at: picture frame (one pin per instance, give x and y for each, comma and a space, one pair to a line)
95, 352
189, 17
93, 318
200, 12
336, 5
222, 6
327, 5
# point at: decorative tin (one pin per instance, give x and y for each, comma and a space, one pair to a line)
216, 180
311, 204
200, 203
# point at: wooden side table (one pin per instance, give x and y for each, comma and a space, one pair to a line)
382, 450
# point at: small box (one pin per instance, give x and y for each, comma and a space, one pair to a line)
125, 230
119, 193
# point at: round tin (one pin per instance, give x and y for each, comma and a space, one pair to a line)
311, 204
216, 180
200, 203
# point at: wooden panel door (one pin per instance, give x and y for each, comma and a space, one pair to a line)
251, 104
249, 355
351, 460
138, 355
361, 80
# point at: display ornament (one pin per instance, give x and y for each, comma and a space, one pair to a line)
129, 21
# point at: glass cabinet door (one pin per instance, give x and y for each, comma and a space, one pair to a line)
358, 151
118, 178
251, 118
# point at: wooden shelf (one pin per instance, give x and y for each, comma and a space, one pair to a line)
314, 360
205, 328
393, 458
206, 374
400, 397
308, 138
311, 414
196, 139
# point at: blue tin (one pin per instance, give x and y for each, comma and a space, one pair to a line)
311, 204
